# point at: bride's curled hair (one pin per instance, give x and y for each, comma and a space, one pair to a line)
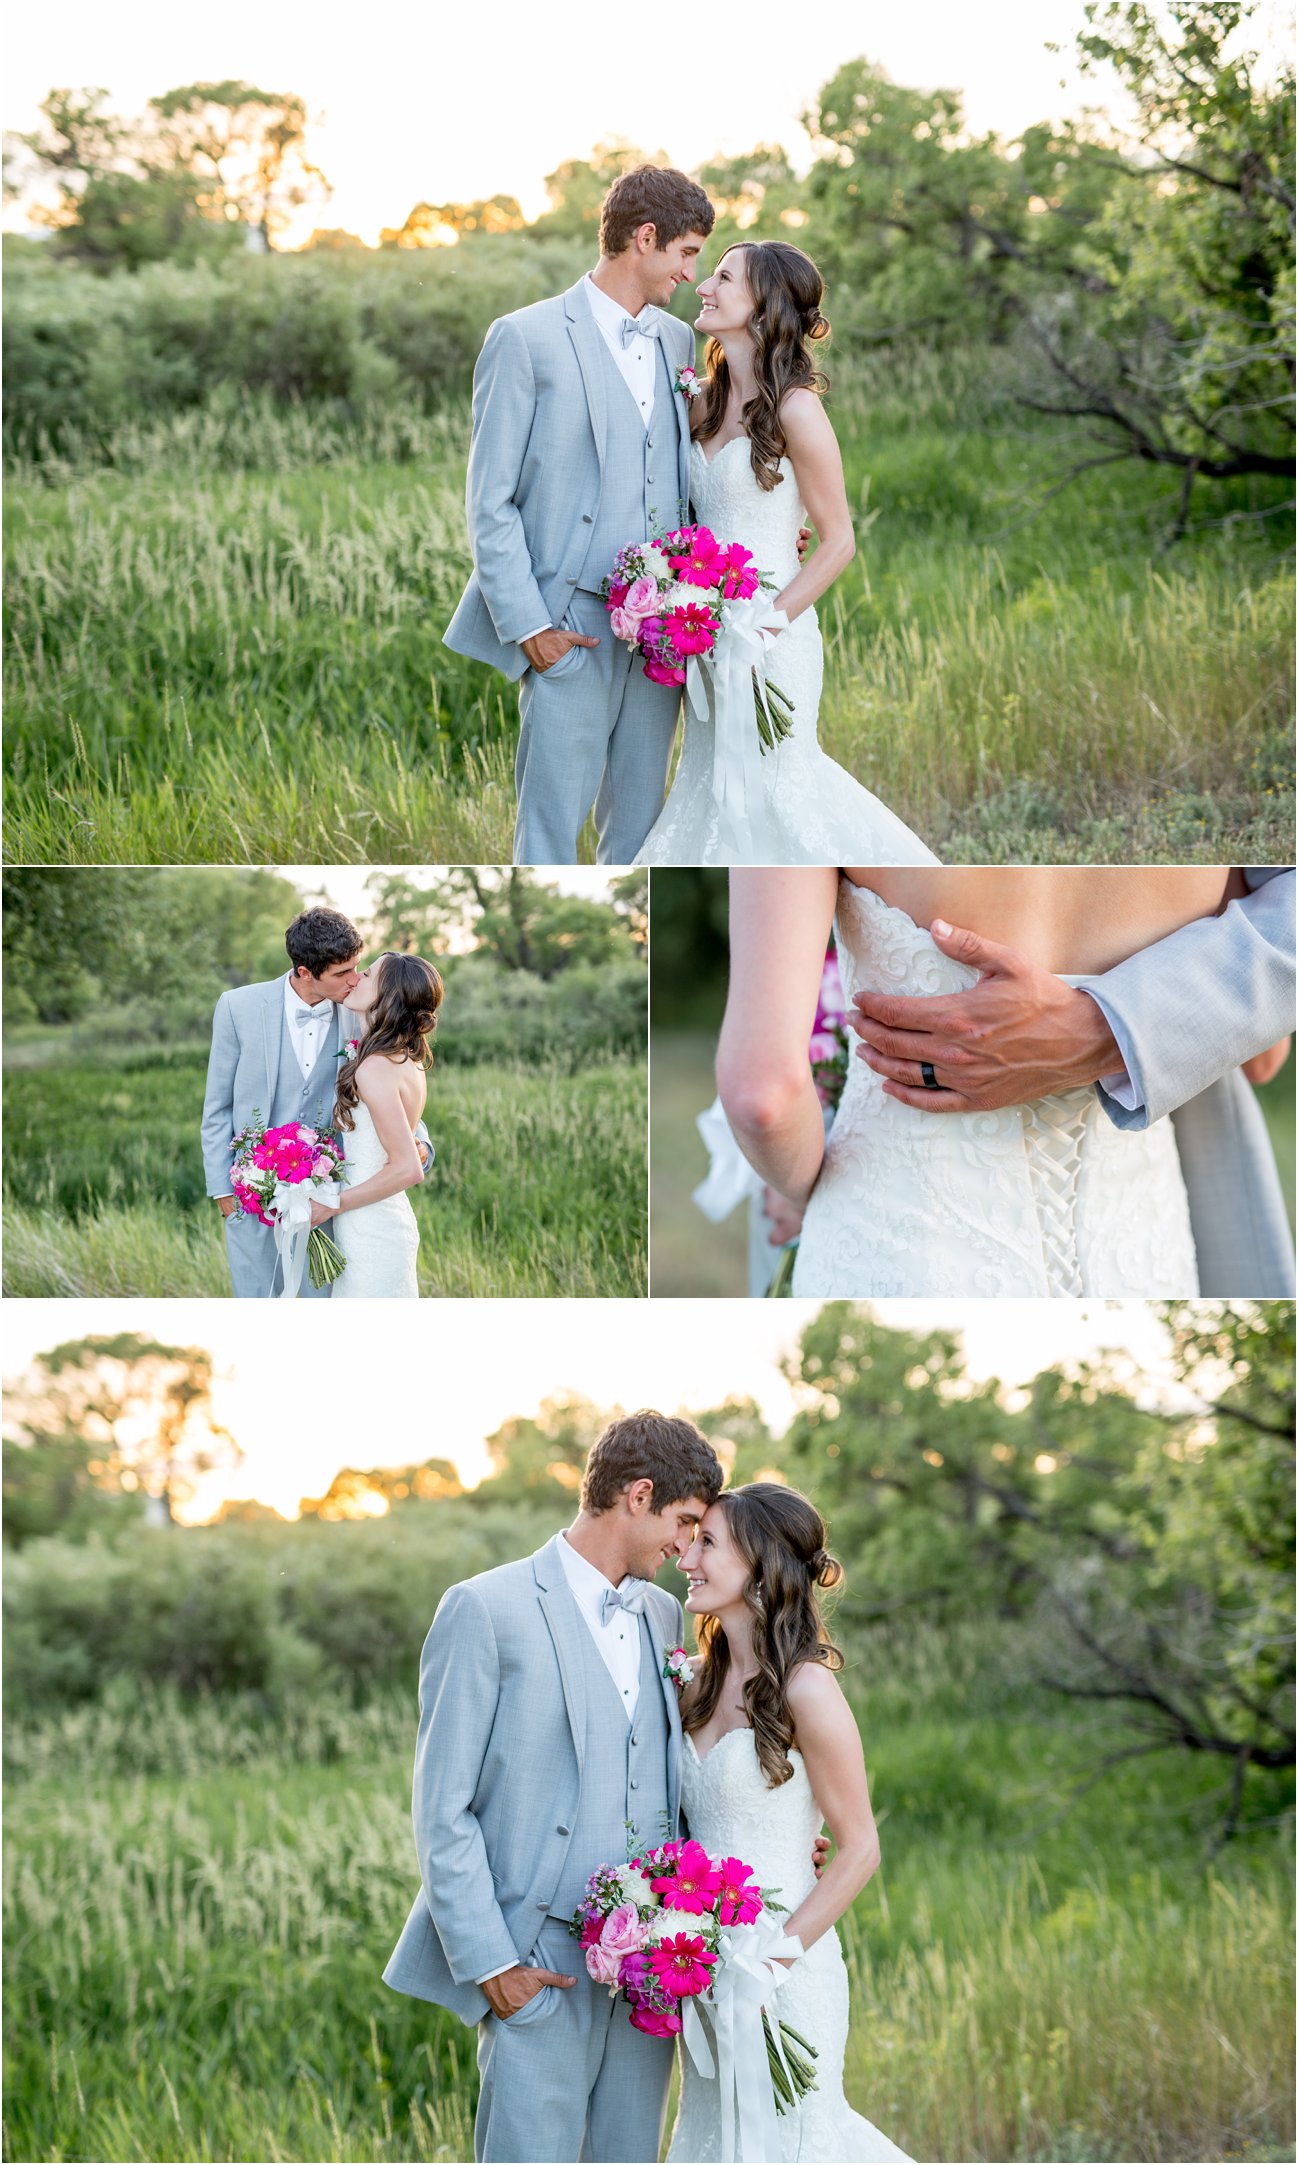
399, 1023
782, 1537
786, 323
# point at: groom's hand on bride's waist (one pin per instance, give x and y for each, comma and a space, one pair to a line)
1020, 1033
513, 1989
545, 648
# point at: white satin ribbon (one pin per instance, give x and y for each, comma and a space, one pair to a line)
745, 1980
730, 1178
736, 748
290, 1207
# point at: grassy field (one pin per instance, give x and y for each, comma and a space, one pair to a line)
688, 1256
538, 1188
226, 645
198, 1904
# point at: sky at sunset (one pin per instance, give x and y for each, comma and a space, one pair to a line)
423, 103
397, 1384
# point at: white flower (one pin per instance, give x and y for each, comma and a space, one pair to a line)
636, 1888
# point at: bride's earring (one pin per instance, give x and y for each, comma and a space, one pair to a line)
758, 1603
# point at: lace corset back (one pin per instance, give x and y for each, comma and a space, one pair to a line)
1046, 1198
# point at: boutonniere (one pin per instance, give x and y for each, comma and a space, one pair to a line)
678, 1669
687, 382
351, 1046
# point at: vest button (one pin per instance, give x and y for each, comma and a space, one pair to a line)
563, 1830
587, 518
634, 1783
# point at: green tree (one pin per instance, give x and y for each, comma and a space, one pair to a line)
441, 225
363, 1492
143, 1406
246, 147
540, 1456
578, 186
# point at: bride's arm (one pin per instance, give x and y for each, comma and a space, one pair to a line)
379, 1089
830, 1743
779, 925
818, 472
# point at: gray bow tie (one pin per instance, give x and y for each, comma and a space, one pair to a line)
641, 326
305, 1015
629, 1596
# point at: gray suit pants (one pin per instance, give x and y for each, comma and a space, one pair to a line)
594, 731
567, 2077
254, 1265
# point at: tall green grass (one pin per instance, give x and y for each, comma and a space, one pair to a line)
193, 1946
538, 1187
225, 644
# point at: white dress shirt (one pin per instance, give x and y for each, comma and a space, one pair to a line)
308, 1039
636, 364
618, 1644
618, 1640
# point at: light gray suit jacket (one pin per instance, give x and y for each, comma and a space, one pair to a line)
1186, 1013
243, 1069
535, 470
498, 1770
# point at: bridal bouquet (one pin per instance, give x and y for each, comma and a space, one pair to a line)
276, 1176
675, 598
676, 1927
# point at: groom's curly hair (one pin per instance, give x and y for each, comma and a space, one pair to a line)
657, 196
319, 939
648, 1446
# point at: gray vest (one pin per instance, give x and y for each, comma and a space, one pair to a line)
312, 1101
638, 492
624, 1774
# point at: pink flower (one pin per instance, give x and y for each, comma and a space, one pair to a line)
655, 2021
738, 1902
696, 564
693, 629
624, 1932
591, 1930
824, 1046
641, 598
616, 593
694, 1883
735, 572
623, 625
682, 1965
662, 673
603, 1965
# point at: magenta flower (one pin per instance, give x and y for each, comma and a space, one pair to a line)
696, 563
693, 629
682, 1965
735, 572
662, 673
694, 1884
617, 593
738, 1902
655, 2021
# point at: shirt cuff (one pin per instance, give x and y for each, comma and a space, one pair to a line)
496, 1973
533, 634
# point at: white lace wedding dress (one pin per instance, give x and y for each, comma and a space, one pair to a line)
1047, 1198
733, 1814
810, 810
381, 1240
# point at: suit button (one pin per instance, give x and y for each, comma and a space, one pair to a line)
563, 1830
588, 518
634, 1783
572, 582
544, 1903
649, 443
649, 479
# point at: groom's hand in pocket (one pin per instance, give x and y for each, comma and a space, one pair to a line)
514, 1988
226, 1205
549, 647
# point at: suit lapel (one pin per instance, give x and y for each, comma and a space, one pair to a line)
571, 1640
671, 1696
272, 1028
584, 333
682, 406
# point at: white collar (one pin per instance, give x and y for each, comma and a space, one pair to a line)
586, 1580
293, 1000
608, 313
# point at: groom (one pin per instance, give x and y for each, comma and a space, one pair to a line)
275, 1052
550, 1743
581, 444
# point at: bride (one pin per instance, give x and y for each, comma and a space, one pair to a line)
381, 1094
763, 452
771, 1752
1048, 1197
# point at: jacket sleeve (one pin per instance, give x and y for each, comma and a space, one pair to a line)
218, 1098
504, 408
1202, 1001
459, 1689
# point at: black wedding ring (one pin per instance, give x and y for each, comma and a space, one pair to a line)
930, 1079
